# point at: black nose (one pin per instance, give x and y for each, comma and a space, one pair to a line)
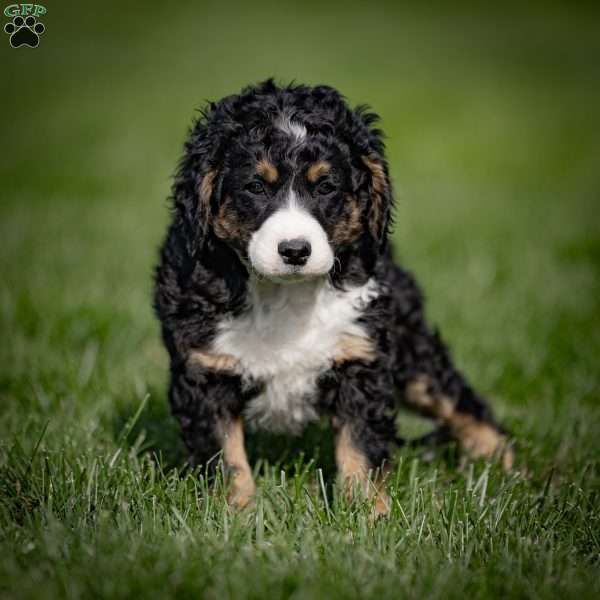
294, 252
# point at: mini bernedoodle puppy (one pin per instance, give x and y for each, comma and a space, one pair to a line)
279, 298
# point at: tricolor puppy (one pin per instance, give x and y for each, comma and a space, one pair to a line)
279, 298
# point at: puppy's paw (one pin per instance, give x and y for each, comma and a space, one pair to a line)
365, 488
382, 505
477, 440
241, 489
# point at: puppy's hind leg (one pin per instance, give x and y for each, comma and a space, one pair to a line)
462, 415
431, 385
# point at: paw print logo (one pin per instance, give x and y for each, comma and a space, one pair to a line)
24, 32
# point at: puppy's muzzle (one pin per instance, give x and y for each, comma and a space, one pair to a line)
290, 244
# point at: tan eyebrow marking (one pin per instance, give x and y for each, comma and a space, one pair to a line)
267, 170
317, 170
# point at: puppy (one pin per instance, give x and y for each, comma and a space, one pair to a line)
279, 298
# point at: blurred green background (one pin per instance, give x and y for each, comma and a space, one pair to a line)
493, 123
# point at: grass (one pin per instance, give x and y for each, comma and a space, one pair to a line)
492, 121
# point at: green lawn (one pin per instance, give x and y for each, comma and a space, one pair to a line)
494, 144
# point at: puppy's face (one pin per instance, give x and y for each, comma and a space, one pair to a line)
287, 202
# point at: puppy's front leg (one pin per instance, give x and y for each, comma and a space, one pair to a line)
355, 471
206, 398
241, 482
364, 429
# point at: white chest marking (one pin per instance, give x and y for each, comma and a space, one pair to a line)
286, 339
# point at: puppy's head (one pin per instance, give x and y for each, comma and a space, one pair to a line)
289, 178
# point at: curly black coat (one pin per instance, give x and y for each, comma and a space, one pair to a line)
205, 276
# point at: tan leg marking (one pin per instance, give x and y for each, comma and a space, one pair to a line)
353, 347
241, 482
481, 440
222, 363
354, 471
476, 439
437, 406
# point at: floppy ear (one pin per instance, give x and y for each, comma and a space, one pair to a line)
380, 199
195, 184
371, 175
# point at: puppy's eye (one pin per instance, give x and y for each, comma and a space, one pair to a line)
255, 187
326, 187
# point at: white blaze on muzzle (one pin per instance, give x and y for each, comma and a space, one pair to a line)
290, 225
